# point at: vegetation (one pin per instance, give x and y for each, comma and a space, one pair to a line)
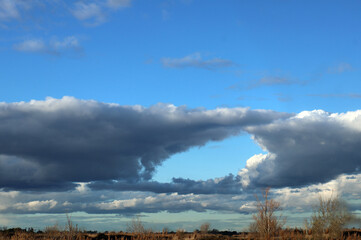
329, 217
266, 223
285, 234
136, 226
205, 227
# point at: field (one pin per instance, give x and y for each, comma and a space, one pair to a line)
30, 234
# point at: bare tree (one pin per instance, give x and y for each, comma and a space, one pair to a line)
136, 226
205, 227
71, 229
266, 222
331, 214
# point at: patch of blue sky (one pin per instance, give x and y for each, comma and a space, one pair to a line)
214, 160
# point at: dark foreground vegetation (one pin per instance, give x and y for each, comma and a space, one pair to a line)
30, 234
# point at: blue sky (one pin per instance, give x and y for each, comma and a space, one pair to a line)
283, 57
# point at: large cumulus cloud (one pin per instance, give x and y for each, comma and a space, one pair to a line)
51, 144
311, 147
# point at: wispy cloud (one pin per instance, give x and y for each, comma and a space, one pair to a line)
116, 4
34, 45
340, 68
94, 13
273, 81
266, 81
89, 11
196, 60
52, 47
337, 95
283, 97
10, 9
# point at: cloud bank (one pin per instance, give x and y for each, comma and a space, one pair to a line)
293, 199
71, 155
53, 143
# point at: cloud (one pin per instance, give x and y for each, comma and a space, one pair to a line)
311, 147
283, 97
337, 95
35, 205
94, 13
227, 185
293, 199
34, 45
195, 60
340, 68
53, 47
83, 155
272, 81
89, 11
47, 144
9, 9
115, 4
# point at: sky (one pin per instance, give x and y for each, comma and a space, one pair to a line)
177, 111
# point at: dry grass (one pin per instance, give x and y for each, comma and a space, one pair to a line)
20, 234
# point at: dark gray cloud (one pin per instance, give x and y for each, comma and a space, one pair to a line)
226, 185
312, 147
195, 60
51, 144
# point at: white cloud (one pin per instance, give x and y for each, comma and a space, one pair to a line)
36, 205
302, 199
250, 171
85, 11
